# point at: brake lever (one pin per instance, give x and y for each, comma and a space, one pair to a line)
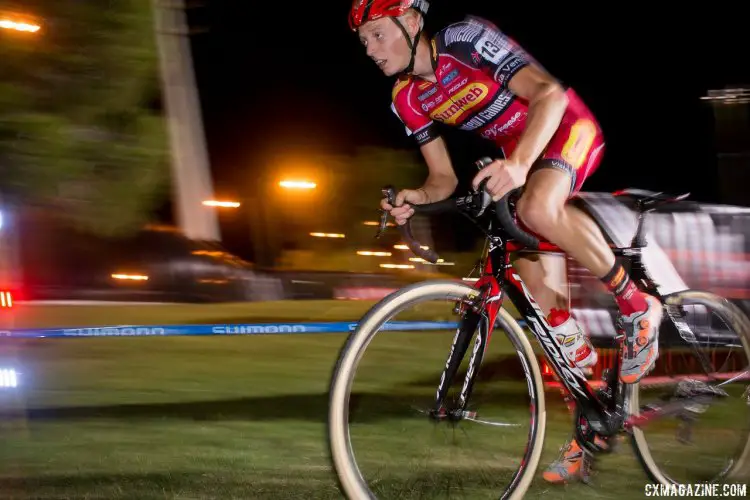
389, 192
484, 198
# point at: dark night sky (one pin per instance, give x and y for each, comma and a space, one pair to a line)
309, 86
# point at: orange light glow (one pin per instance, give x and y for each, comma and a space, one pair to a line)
291, 184
133, 277
9, 24
222, 204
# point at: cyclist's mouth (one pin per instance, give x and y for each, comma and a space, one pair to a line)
381, 63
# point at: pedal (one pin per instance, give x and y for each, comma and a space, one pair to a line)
690, 388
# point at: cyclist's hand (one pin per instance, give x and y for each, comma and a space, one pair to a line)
504, 176
402, 209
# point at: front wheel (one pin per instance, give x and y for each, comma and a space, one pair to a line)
517, 473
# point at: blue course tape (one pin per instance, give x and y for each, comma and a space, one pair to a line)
219, 329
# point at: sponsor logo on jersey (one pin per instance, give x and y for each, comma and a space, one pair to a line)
458, 104
427, 94
462, 32
576, 148
449, 77
422, 135
423, 85
501, 128
426, 106
508, 69
493, 111
458, 85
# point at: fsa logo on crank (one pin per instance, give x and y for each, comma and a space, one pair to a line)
543, 335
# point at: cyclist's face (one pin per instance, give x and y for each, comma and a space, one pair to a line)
385, 44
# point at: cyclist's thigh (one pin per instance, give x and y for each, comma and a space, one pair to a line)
576, 149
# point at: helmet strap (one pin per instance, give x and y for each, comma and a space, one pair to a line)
412, 44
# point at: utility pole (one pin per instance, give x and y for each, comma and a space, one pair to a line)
191, 173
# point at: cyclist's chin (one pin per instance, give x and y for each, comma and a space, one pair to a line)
390, 69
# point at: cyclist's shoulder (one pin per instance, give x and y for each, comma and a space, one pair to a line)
401, 87
469, 30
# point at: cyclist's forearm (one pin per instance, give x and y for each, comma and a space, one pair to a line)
439, 187
441, 179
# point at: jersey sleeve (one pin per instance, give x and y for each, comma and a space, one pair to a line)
417, 123
480, 44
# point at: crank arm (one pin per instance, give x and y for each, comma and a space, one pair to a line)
652, 413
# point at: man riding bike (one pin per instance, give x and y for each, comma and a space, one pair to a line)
472, 76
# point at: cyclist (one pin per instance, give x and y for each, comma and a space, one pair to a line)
472, 76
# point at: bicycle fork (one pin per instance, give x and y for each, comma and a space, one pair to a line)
471, 322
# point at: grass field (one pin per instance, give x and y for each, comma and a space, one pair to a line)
219, 417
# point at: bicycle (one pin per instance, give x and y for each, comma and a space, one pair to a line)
613, 410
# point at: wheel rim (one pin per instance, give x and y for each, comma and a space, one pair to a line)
348, 471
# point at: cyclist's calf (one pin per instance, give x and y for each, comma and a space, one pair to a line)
546, 278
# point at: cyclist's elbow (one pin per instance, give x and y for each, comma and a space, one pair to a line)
553, 94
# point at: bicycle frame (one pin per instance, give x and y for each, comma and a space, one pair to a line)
603, 410
500, 279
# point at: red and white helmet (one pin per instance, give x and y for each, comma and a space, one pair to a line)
368, 10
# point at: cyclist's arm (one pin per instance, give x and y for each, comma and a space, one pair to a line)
441, 181
547, 104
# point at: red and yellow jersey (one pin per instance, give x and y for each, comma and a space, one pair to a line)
473, 64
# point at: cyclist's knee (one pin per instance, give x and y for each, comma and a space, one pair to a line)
538, 212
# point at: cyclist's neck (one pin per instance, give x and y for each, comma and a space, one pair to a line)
423, 63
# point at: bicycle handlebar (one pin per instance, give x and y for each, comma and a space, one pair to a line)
478, 203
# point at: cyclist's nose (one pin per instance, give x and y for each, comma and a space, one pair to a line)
371, 49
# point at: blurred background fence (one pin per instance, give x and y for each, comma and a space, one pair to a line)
707, 245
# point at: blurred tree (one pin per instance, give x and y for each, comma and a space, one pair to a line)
81, 132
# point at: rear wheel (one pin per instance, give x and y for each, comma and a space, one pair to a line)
704, 443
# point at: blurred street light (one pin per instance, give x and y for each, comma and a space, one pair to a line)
10, 24
132, 277
223, 204
440, 262
373, 253
404, 247
328, 235
290, 184
397, 266
374, 223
